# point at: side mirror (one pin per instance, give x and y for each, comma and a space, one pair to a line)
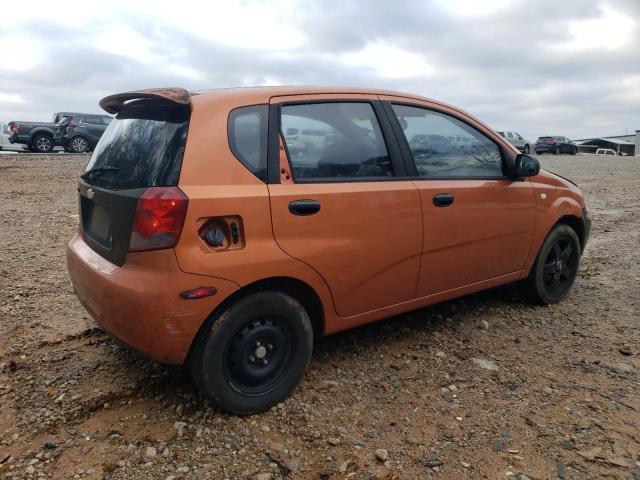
526, 166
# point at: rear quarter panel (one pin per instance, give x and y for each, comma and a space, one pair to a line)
218, 185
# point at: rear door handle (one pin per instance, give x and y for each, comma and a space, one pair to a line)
304, 207
442, 199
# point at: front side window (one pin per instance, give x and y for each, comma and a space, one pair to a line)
329, 141
444, 147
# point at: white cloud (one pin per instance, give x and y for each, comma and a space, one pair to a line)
611, 31
473, 7
388, 61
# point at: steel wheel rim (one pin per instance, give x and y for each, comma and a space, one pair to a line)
43, 144
257, 356
559, 267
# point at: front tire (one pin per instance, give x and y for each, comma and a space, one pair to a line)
555, 268
253, 354
78, 145
556, 151
42, 144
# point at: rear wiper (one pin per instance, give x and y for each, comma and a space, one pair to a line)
86, 174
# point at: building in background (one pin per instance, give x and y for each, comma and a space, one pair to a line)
622, 144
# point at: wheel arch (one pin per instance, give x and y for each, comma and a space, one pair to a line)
40, 133
577, 224
294, 287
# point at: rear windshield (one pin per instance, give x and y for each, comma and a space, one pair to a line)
142, 147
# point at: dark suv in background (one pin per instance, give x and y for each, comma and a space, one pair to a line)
556, 145
79, 133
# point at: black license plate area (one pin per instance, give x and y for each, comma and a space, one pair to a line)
95, 220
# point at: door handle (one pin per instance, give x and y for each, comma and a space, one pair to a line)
442, 199
304, 207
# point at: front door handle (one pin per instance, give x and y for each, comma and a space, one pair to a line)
442, 199
304, 207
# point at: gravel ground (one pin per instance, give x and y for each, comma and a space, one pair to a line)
486, 386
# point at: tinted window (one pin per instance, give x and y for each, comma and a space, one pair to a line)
247, 131
142, 147
336, 141
443, 146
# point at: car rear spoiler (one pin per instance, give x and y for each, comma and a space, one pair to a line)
175, 95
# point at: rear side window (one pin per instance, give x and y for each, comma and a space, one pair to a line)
247, 130
429, 134
142, 147
334, 141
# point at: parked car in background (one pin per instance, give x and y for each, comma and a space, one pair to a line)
605, 151
38, 137
555, 145
233, 267
515, 139
5, 144
80, 132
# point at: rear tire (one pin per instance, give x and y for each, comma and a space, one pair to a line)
42, 144
555, 268
253, 354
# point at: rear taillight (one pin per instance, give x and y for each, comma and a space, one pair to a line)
158, 220
15, 128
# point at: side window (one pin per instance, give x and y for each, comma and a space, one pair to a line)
247, 132
509, 134
106, 120
334, 141
429, 134
92, 120
517, 135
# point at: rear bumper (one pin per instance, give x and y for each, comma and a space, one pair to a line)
139, 303
545, 148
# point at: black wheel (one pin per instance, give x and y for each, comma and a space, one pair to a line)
252, 355
574, 151
526, 149
555, 268
78, 145
42, 144
556, 151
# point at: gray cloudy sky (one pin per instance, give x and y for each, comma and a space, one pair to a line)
568, 67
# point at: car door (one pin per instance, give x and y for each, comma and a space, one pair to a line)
93, 128
342, 204
478, 224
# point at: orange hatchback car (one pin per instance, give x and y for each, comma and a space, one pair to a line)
227, 229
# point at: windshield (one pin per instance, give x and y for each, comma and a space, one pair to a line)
142, 147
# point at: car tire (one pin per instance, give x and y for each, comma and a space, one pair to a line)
252, 355
555, 268
42, 144
556, 151
574, 151
526, 150
78, 145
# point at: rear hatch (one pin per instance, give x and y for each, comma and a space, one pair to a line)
128, 195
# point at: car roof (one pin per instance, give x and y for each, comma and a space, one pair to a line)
266, 92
